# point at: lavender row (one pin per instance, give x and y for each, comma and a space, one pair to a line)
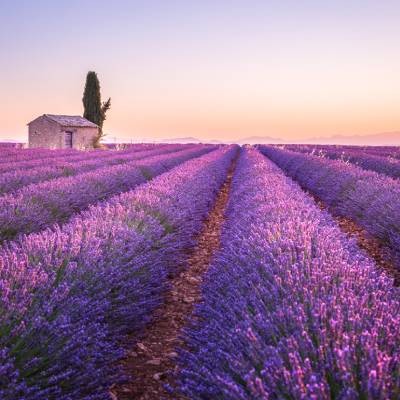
58, 162
4, 146
15, 155
66, 160
35, 207
391, 152
126, 146
70, 295
20, 155
370, 199
383, 151
11, 181
384, 165
291, 307
60, 159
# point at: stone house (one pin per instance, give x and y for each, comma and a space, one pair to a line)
62, 132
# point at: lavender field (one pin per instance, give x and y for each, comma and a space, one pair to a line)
170, 271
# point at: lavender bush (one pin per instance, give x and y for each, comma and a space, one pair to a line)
69, 295
291, 308
370, 199
10, 145
20, 177
381, 151
65, 161
37, 206
389, 166
16, 155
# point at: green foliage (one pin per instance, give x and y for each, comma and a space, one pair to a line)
94, 109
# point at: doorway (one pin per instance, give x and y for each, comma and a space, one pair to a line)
68, 139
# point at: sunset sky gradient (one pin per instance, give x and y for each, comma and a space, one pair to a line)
209, 69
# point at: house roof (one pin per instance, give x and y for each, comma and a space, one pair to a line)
71, 120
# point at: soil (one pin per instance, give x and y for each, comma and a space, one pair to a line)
151, 363
372, 246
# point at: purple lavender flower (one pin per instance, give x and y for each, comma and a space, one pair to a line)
38, 206
370, 199
291, 309
70, 294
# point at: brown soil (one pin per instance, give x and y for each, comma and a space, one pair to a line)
151, 363
372, 246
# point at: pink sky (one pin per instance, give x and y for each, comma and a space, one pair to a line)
213, 70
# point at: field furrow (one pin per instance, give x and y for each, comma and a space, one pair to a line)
291, 308
367, 198
389, 166
71, 295
199, 272
152, 362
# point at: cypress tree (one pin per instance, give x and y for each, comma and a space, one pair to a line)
94, 110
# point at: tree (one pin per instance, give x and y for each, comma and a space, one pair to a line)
94, 110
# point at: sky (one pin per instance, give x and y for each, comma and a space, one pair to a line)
221, 69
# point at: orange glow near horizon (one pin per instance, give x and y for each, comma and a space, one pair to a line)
209, 71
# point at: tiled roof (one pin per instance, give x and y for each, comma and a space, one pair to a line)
71, 120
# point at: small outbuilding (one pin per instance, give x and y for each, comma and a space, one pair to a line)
62, 132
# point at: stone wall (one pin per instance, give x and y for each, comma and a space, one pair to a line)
44, 133
49, 134
82, 138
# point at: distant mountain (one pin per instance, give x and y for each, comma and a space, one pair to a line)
260, 140
377, 139
247, 140
10, 141
183, 140
215, 142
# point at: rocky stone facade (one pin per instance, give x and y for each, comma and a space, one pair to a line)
61, 132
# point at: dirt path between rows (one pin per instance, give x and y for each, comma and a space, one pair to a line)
372, 246
151, 363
